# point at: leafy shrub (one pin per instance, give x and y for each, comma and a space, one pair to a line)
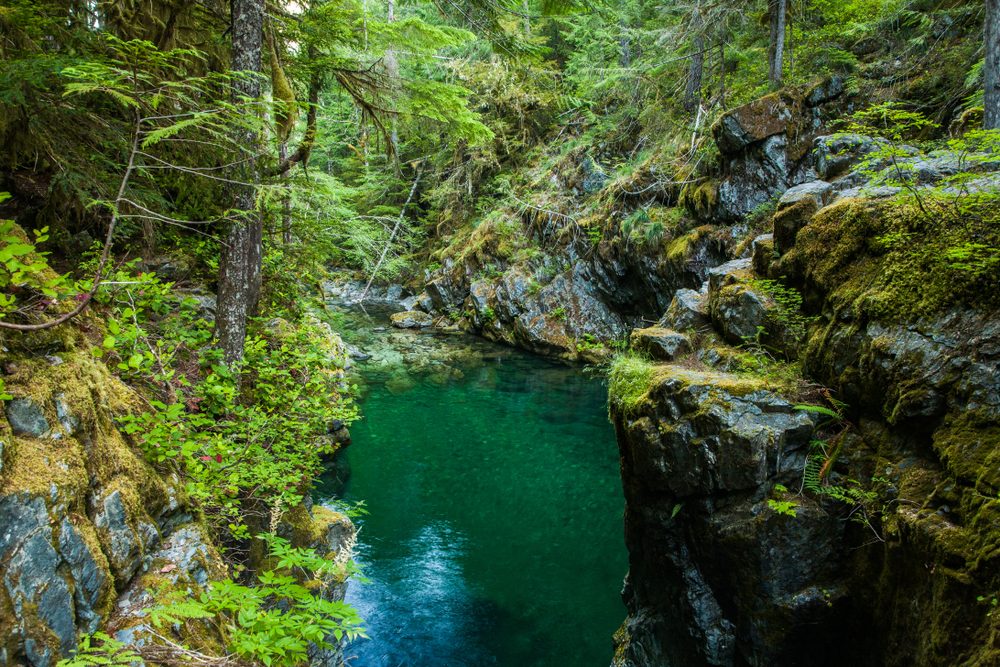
275, 620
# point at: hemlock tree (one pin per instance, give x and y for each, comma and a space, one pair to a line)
692, 92
240, 260
991, 68
777, 14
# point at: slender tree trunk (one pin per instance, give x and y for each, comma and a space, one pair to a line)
624, 44
286, 198
991, 69
526, 11
778, 11
240, 261
392, 71
692, 93
722, 74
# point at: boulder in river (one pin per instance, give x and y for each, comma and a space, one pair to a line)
411, 319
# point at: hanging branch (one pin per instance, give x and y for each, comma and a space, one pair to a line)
392, 236
88, 297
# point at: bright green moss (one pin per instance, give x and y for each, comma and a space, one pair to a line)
891, 260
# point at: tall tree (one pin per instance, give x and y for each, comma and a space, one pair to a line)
778, 15
240, 262
392, 72
692, 92
991, 68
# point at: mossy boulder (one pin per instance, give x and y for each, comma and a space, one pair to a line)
80, 510
411, 319
660, 343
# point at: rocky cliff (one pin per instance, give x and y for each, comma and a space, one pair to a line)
802, 268
90, 533
763, 532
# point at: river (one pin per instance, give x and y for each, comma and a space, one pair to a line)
494, 526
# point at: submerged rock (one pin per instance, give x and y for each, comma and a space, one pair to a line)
411, 319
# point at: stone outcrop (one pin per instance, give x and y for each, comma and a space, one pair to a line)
81, 513
716, 576
751, 545
766, 149
411, 319
89, 531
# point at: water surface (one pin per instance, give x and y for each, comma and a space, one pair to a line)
494, 533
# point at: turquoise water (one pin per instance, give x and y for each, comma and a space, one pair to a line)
494, 533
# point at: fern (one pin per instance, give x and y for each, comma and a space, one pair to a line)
101, 649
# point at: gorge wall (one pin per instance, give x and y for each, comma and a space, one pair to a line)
761, 532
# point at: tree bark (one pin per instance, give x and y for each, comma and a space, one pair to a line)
991, 68
696, 68
392, 72
777, 11
240, 261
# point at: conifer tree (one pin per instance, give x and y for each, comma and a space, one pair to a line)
991, 67
240, 261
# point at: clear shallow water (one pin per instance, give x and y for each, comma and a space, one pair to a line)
494, 534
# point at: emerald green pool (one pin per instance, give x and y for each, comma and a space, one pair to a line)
494, 533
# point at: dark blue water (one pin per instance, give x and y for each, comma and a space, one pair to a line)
494, 533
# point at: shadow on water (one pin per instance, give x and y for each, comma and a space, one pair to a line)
494, 531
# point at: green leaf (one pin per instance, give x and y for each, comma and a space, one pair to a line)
819, 409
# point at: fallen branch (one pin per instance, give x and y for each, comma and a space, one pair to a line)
88, 297
392, 236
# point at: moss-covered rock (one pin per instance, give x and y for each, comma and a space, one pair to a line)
80, 510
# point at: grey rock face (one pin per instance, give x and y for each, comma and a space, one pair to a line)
835, 154
818, 191
186, 558
716, 577
662, 344
754, 179
445, 295
204, 304
126, 544
34, 583
69, 421
26, 417
90, 582
594, 176
688, 310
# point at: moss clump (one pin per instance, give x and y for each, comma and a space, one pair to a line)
679, 250
889, 259
969, 445
700, 198
630, 377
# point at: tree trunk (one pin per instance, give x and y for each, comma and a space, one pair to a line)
991, 68
624, 44
286, 198
777, 10
392, 71
240, 261
692, 93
